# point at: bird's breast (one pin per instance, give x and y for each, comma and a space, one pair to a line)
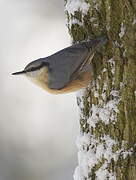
80, 82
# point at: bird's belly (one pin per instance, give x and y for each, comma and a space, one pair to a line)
75, 85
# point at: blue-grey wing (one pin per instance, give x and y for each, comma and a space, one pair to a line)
63, 64
67, 62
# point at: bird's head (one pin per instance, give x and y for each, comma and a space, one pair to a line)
34, 69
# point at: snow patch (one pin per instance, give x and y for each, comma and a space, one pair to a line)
93, 150
80, 94
134, 22
96, 94
122, 30
124, 53
112, 64
104, 70
77, 5
99, 77
93, 19
76, 21
83, 140
77, 174
103, 174
93, 120
103, 95
105, 112
121, 85
95, 5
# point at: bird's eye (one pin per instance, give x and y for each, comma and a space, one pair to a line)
37, 67
33, 68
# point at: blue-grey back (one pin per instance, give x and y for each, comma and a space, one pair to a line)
64, 63
67, 61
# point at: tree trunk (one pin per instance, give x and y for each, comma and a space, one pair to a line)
107, 139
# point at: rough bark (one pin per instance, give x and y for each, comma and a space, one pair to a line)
108, 105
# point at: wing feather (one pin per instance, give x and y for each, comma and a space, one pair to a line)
64, 64
68, 63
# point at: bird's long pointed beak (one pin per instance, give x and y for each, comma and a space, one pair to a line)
18, 73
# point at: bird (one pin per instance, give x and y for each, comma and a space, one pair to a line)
67, 70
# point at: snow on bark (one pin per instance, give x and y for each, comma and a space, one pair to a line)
76, 5
122, 30
104, 112
93, 151
98, 152
72, 7
134, 21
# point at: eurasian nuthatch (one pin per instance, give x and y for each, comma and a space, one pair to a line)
67, 70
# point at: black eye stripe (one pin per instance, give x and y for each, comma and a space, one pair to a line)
38, 67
